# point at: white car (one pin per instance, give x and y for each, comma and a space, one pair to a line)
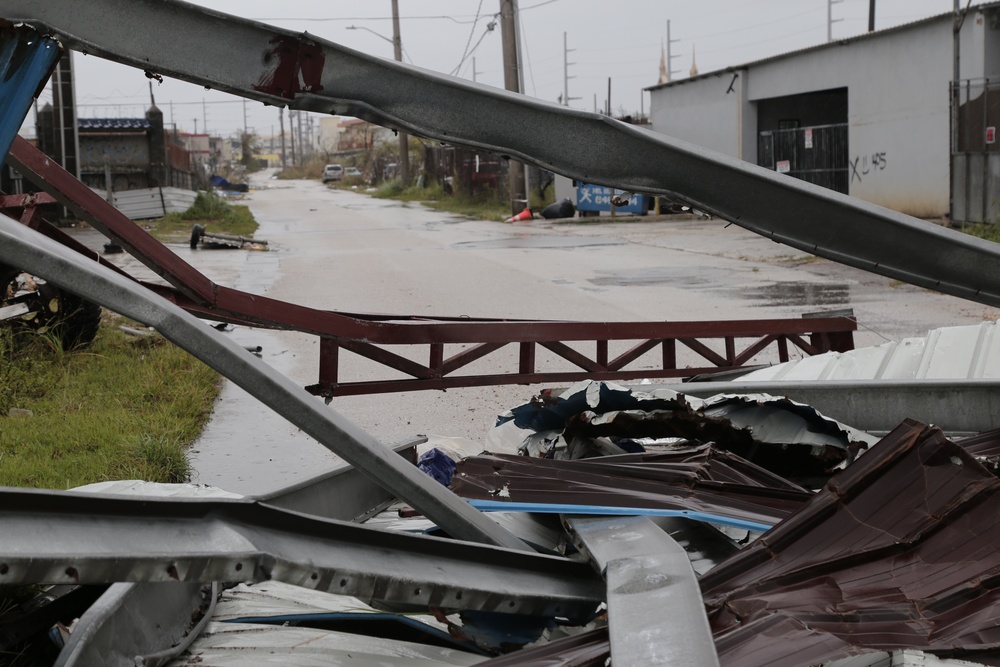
332, 172
352, 171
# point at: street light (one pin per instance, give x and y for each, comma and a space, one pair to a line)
397, 47
381, 36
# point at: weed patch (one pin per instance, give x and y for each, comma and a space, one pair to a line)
486, 207
210, 211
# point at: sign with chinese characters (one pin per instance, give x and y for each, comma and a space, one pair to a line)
991, 135
783, 166
598, 198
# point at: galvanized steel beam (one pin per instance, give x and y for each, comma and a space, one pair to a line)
65, 537
282, 67
656, 615
21, 246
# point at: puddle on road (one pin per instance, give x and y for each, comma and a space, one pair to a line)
663, 275
799, 294
540, 242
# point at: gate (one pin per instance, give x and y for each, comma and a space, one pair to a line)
814, 154
975, 155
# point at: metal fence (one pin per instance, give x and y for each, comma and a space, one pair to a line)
975, 155
814, 154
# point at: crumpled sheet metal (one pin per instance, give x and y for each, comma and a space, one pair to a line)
783, 436
900, 550
697, 479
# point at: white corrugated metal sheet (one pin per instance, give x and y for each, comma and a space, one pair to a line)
148, 203
950, 353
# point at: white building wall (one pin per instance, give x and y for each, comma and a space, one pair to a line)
700, 112
898, 111
898, 108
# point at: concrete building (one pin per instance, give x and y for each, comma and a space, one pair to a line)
125, 153
869, 116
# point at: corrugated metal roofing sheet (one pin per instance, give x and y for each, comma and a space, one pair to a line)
898, 550
950, 353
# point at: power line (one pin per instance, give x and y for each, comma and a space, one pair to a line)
489, 28
472, 31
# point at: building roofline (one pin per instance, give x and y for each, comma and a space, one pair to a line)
819, 47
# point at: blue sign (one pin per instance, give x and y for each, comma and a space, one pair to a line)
598, 198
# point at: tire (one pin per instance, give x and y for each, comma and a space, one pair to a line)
196, 233
78, 322
74, 321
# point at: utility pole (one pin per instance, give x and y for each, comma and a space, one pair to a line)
670, 57
474, 72
281, 124
302, 143
829, 18
871, 15
291, 135
404, 142
204, 115
511, 81
566, 76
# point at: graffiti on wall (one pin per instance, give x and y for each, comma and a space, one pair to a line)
864, 165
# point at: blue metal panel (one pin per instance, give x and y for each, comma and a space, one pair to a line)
598, 198
26, 60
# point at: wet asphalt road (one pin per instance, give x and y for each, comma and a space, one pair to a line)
346, 251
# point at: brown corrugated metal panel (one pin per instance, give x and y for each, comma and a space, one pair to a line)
900, 550
700, 479
984, 445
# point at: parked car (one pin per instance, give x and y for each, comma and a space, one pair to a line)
352, 171
332, 172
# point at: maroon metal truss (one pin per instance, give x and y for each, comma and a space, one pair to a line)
471, 338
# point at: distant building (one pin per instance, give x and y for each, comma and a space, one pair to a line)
869, 116
135, 152
357, 135
328, 134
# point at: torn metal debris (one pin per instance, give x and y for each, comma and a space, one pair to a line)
788, 438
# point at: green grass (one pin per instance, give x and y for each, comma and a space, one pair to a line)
988, 232
480, 208
209, 211
122, 408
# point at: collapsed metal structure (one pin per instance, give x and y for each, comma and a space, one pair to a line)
301, 538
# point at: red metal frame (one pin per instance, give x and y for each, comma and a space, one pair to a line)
367, 335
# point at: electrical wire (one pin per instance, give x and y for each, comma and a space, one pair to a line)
489, 28
472, 32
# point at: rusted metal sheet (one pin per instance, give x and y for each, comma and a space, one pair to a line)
901, 549
700, 479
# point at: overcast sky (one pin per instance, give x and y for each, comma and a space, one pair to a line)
621, 40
